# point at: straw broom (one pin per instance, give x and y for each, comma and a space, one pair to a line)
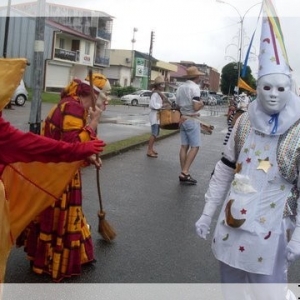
104, 228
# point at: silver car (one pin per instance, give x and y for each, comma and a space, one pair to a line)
141, 97
20, 95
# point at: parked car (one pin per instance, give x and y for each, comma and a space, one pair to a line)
141, 97
171, 96
211, 100
20, 95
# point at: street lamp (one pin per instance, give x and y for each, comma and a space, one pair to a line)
242, 17
132, 53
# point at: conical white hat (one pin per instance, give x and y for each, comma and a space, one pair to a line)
272, 57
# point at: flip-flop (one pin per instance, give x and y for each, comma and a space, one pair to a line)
152, 155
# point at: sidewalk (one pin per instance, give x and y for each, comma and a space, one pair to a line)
118, 122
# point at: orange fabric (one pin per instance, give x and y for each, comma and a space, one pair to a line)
40, 181
245, 86
11, 73
6, 242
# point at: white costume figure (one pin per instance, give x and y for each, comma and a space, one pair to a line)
257, 182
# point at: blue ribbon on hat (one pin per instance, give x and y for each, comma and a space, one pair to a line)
244, 69
274, 119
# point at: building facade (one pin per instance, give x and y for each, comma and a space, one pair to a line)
131, 67
75, 40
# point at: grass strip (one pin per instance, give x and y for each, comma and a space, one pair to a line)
132, 142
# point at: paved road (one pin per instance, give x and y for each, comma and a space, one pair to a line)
154, 218
117, 123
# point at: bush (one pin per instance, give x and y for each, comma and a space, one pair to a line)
121, 91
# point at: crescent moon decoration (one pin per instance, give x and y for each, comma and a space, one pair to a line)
230, 220
266, 40
268, 235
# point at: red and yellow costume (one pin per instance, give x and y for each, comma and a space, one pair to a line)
59, 241
32, 175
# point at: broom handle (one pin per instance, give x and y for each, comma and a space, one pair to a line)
98, 189
97, 155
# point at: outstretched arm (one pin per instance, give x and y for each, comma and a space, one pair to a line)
17, 146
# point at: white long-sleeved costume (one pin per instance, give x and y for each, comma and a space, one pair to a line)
262, 195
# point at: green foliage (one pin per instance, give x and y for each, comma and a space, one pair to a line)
47, 97
121, 91
229, 78
132, 142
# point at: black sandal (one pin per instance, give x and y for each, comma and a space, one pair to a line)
187, 178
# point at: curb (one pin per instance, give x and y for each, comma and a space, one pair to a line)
133, 146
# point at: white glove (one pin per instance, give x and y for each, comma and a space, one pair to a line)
203, 225
293, 247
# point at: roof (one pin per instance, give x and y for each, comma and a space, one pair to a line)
181, 71
69, 30
144, 55
54, 9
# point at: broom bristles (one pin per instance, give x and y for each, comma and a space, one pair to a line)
104, 228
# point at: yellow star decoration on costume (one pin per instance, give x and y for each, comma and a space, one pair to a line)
264, 164
238, 168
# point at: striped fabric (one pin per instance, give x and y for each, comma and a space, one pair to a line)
59, 241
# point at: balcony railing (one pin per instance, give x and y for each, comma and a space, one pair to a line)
104, 34
66, 54
101, 60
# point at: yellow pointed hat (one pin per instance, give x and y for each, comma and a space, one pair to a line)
11, 73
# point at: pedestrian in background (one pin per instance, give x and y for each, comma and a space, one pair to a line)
157, 102
60, 241
189, 102
232, 119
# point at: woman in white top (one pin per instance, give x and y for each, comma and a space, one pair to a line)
156, 103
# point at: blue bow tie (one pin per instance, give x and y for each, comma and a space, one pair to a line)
274, 119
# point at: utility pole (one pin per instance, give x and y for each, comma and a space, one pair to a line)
132, 71
150, 59
38, 65
6, 29
6, 38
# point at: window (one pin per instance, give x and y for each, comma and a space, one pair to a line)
87, 48
61, 43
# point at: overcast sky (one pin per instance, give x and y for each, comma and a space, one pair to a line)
202, 31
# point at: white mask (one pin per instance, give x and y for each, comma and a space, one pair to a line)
273, 92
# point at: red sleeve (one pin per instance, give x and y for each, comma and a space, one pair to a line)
17, 146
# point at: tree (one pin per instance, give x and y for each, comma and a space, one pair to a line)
229, 78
